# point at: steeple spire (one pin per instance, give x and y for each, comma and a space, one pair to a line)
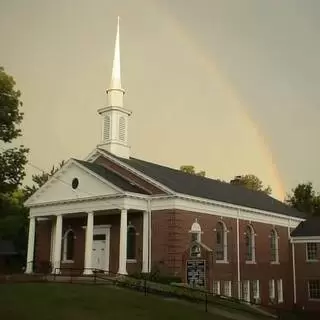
116, 71
115, 118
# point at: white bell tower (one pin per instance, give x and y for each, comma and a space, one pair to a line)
115, 118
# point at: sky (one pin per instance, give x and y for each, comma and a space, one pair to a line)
231, 87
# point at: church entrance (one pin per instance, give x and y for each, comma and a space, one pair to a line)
101, 248
98, 252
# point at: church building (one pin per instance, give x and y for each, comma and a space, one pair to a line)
116, 214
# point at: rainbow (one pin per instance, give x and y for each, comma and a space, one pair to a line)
230, 92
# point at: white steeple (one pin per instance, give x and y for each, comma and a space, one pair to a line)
115, 117
116, 70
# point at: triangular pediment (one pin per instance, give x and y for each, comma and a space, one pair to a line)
73, 181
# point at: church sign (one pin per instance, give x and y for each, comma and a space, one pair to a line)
196, 272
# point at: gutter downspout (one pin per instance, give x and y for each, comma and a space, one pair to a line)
149, 233
294, 274
238, 255
293, 265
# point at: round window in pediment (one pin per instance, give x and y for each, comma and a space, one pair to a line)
75, 183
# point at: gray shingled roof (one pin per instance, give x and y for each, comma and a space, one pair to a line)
111, 176
308, 228
211, 189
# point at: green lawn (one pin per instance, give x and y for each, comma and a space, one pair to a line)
73, 301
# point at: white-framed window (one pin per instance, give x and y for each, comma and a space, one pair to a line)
274, 246
250, 244
246, 290
195, 231
256, 289
314, 289
221, 242
216, 287
312, 251
272, 292
280, 290
68, 246
227, 288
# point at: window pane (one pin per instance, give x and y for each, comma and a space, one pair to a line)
70, 245
131, 243
99, 237
249, 244
312, 251
274, 246
314, 289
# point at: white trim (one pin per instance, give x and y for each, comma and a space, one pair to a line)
103, 229
225, 241
92, 204
227, 288
238, 256
307, 253
246, 295
294, 274
272, 289
315, 239
108, 183
256, 295
253, 244
131, 260
29, 202
45, 185
192, 204
276, 235
280, 290
216, 287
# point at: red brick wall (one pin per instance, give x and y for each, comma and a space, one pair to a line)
170, 238
42, 242
305, 271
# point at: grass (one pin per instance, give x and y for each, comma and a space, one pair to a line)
48, 301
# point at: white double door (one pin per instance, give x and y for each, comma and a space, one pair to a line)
100, 250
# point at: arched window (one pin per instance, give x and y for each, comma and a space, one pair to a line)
68, 245
274, 246
195, 250
195, 231
250, 244
131, 243
221, 242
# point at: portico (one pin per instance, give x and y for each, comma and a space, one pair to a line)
96, 242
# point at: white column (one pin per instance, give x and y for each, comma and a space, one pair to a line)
145, 243
31, 240
57, 245
88, 247
123, 243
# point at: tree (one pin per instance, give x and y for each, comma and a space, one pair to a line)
41, 179
305, 199
13, 215
251, 182
191, 170
12, 160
